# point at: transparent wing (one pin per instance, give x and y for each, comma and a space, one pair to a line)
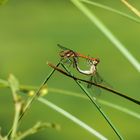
62, 47
94, 89
97, 79
68, 61
100, 80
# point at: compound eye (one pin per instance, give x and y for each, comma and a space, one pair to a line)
98, 60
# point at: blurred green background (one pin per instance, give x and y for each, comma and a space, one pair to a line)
29, 33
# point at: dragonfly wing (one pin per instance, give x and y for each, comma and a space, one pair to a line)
97, 78
68, 61
94, 89
62, 47
100, 80
89, 85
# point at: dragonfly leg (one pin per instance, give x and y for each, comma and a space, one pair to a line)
91, 79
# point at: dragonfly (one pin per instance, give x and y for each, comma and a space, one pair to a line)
92, 62
68, 53
93, 73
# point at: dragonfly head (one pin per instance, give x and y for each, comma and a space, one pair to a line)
94, 61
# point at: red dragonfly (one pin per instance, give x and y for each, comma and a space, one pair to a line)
68, 53
92, 72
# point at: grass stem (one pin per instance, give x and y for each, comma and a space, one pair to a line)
132, 8
72, 118
97, 85
111, 10
96, 105
94, 19
36, 95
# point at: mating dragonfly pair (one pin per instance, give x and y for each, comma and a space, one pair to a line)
73, 58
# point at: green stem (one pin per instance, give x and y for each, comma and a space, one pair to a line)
14, 86
16, 118
103, 102
72, 118
111, 10
70, 93
96, 105
110, 36
37, 93
33, 98
37, 127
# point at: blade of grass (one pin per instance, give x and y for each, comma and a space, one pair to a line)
107, 33
36, 95
120, 108
132, 8
106, 103
4, 84
72, 118
111, 10
95, 104
60, 91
